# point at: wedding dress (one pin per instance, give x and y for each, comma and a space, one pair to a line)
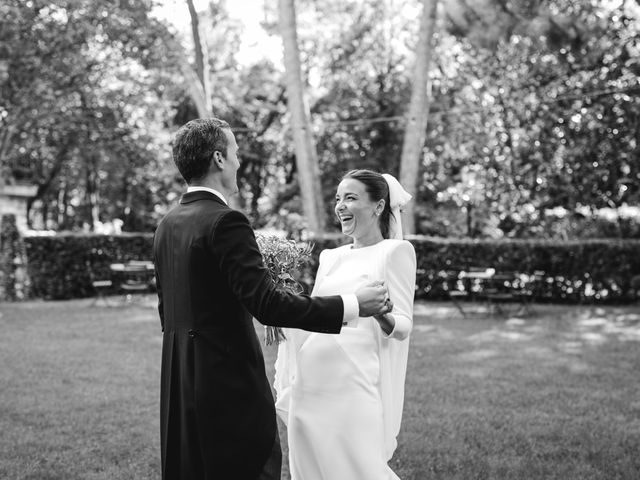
341, 395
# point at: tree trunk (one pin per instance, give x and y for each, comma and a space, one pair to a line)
196, 91
199, 81
43, 187
93, 193
45, 212
89, 190
6, 134
416, 122
306, 155
63, 205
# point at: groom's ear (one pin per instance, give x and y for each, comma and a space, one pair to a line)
218, 159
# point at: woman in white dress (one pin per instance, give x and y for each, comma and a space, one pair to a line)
341, 395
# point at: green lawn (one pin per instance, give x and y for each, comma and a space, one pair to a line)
550, 396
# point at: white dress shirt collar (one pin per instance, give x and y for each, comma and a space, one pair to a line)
210, 190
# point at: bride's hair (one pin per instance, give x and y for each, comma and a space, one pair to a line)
378, 189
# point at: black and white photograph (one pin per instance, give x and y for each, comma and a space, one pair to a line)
320, 239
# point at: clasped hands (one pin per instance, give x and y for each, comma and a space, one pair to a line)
373, 299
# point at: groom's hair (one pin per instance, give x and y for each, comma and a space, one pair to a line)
378, 189
194, 144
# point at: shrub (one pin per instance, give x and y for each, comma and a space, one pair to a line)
572, 271
60, 266
14, 282
603, 270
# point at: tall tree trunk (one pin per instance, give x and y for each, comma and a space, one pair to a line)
89, 192
196, 91
45, 212
200, 83
63, 205
469, 218
43, 187
6, 133
416, 122
93, 180
306, 155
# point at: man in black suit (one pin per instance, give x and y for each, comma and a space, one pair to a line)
217, 413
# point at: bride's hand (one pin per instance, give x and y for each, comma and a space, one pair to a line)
386, 321
388, 307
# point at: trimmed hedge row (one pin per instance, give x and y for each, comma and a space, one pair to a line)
572, 271
13, 284
62, 266
606, 270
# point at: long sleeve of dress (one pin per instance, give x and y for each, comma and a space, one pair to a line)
400, 275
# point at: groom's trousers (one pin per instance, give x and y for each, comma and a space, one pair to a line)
272, 470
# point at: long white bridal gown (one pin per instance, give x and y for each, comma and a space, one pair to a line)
341, 395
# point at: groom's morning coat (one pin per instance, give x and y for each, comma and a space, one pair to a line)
216, 409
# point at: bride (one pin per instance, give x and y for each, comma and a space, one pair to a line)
341, 395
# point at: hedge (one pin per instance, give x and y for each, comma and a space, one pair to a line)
606, 270
13, 279
61, 266
601, 270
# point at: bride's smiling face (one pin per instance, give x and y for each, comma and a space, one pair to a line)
358, 214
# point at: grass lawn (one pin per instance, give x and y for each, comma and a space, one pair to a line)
551, 396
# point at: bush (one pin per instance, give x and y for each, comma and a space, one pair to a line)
14, 283
573, 271
61, 265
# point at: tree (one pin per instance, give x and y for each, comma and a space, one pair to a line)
306, 155
85, 97
532, 103
200, 83
355, 65
532, 109
418, 111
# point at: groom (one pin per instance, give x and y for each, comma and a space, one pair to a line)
216, 409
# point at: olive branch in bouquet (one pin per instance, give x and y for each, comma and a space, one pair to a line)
282, 258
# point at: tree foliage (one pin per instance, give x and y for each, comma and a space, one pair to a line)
549, 118
533, 111
83, 108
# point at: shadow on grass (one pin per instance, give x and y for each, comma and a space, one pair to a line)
550, 396
554, 395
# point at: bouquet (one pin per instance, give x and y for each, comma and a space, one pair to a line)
282, 258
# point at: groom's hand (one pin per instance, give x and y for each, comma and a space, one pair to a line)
372, 299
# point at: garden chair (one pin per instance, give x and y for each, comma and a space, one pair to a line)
135, 277
101, 286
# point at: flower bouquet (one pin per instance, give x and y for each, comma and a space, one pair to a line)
282, 258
